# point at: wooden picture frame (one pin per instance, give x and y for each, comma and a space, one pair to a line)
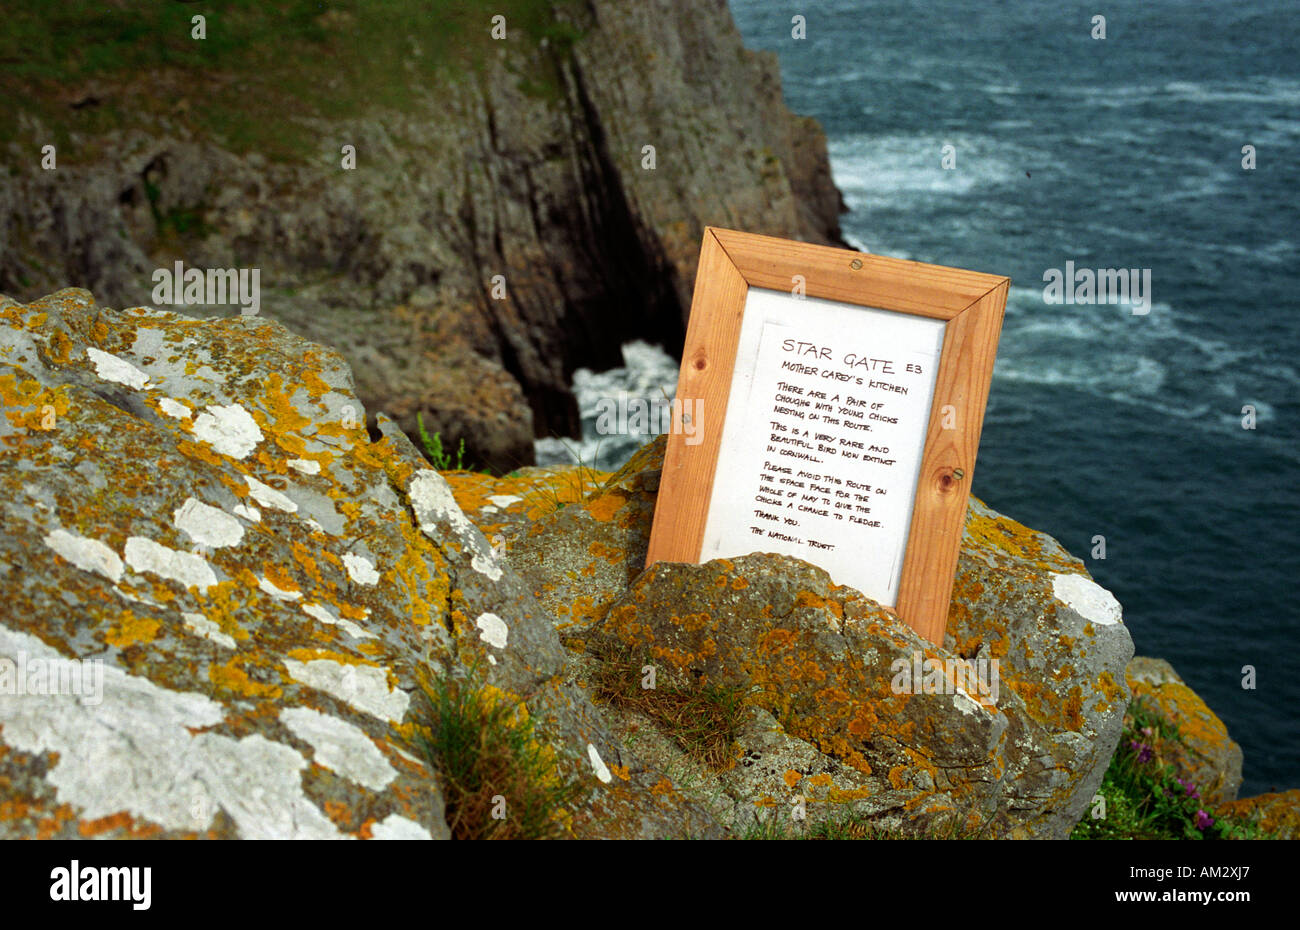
970, 306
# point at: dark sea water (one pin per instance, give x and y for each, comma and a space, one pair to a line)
1117, 153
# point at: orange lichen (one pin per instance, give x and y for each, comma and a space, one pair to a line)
122, 820
30, 406
279, 577
605, 506
232, 678
304, 654
810, 599
131, 630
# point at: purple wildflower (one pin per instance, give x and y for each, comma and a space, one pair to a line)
1189, 788
1142, 749
1203, 820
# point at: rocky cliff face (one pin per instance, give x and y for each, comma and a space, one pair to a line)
587, 196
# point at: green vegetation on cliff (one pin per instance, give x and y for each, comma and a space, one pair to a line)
260, 68
1146, 799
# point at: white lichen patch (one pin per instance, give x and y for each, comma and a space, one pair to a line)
340, 746
504, 500
251, 514
206, 525
118, 370
433, 501
204, 627
267, 586
966, 704
492, 630
598, 764
365, 687
125, 594
89, 555
145, 555
397, 827
360, 569
229, 429
138, 751
268, 496
305, 466
319, 612
487, 565
1088, 599
174, 408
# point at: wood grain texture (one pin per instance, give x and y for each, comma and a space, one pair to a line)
888, 283
971, 303
948, 463
703, 387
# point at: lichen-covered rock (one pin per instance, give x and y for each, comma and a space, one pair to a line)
821, 664
1204, 753
248, 590
1061, 644
1277, 813
198, 527
821, 660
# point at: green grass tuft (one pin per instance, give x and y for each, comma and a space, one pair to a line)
499, 774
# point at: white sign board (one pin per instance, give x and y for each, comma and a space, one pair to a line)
822, 459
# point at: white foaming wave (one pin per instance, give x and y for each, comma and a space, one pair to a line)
1114, 326
1114, 375
647, 371
1269, 90
566, 451
1276, 252
878, 169
1104, 351
870, 75
854, 241
1056, 327
1111, 97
